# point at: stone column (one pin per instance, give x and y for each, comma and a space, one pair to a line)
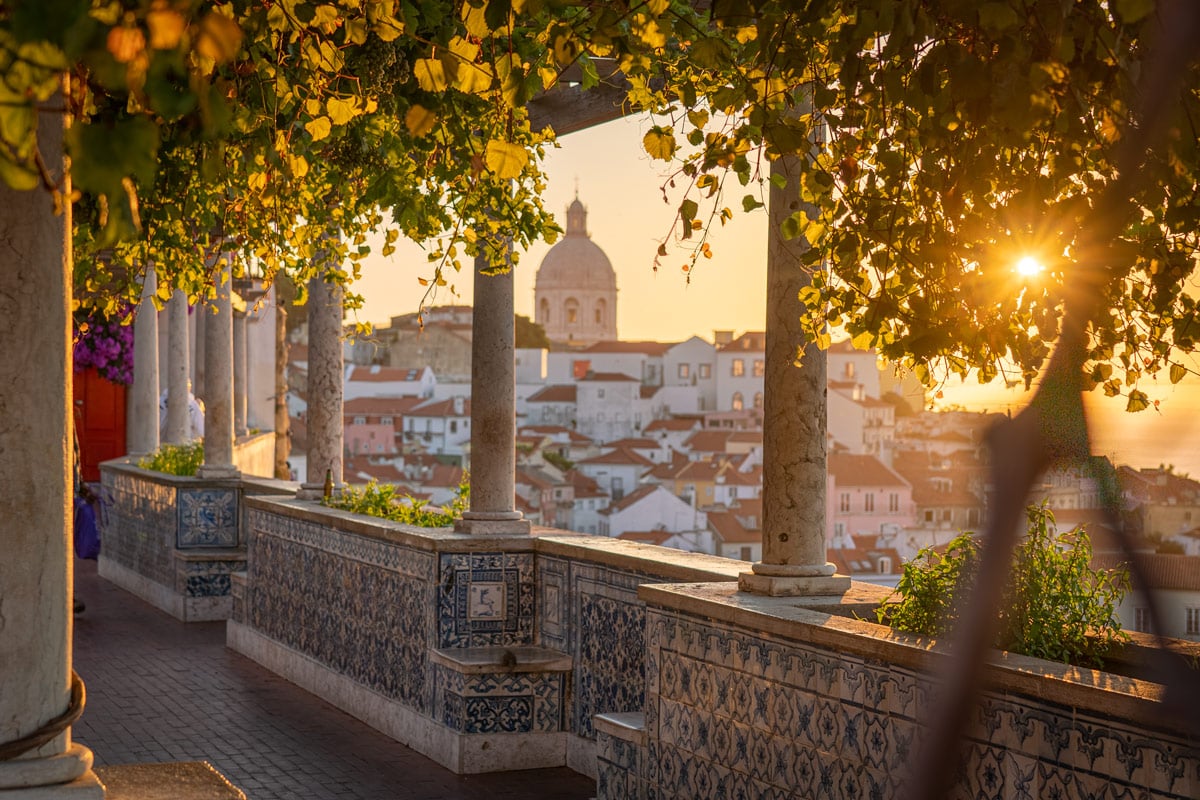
283, 447
493, 409
325, 423
218, 376
141, 408
794, 423
239, 373
199, 318
179, 428
35, 468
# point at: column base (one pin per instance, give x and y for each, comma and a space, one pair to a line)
48, 775
86, 787
793, 586
316, 491
498, 523
217, 471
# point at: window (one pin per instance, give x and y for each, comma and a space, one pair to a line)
885, 565
706, 370
758, 399
849, 369
739, 368
869, 502
600, 393
454, 426
947, 515
893, 502
685, 370
571, 311
747, 554
618, 488
544, 309
844, 502
738, 403
759, 367
387, 421
599, 312
1193, 621
929, 515
839, 530
360, 420
1141, 620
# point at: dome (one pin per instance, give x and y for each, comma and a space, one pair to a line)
576, 262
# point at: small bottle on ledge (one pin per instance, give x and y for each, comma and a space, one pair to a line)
328, 484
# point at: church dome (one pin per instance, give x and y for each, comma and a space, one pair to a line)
576, 262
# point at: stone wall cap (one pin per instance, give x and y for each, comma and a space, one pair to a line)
486, 660
212, 554
660, 562
629, 726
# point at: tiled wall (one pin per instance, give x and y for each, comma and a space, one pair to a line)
733, 713
362, 607
139, 525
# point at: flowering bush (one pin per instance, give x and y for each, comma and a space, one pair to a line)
107, 345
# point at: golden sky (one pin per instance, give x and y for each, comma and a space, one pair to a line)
627, 218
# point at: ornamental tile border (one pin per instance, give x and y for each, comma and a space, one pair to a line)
498, 702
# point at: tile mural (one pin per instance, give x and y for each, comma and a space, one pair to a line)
207, 517
498, 702
485, 600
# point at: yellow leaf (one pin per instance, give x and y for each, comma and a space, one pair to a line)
473, 78
166, 26
420, 120
356, 31
220, 37
506, 159
475, 20
464, 50
431, 74
318, 128
659, 143
298, 165
341, 111
422, 281
125, 44
313, 107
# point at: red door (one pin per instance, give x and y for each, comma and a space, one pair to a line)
99, 421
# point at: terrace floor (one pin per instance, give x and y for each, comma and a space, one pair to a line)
159, 690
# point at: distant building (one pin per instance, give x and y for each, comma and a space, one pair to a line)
575, 292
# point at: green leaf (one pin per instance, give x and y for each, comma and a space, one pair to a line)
687, 211
505, 159
1178, 372
1137, 401
659, 143
750, 202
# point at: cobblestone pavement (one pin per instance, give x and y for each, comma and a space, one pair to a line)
159, 690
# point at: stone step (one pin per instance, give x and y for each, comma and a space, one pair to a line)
179, 780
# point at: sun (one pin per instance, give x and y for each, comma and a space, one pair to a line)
1029, 266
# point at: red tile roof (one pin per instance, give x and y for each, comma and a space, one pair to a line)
1163, 571
642, 444
852, 470
633, 497
730, 529
381, 406
441, 408
672, 425
852, 561
553, 394
609, 377
708, 441
585, 487
621, 455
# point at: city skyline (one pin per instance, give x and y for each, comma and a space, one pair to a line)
627, 218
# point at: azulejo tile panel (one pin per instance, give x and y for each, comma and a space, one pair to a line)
208, 578
498, 702
207, 518
351, 603
609, 674
745, 709
485, 599
138, 530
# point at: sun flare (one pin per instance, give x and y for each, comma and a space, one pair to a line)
1029, 266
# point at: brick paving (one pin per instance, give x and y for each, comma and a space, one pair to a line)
159, 690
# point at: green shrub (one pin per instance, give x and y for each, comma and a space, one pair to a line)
1056, 606
384, 501
175, 459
